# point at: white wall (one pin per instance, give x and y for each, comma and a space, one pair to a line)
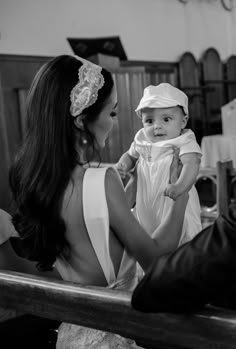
149, 29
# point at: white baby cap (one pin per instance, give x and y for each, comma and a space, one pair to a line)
163, 95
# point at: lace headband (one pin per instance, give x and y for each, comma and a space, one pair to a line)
85, 92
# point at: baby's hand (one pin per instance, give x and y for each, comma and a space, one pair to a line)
171, 191
122, 169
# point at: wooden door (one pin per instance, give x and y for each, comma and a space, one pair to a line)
230, 75
214, 92
190, 83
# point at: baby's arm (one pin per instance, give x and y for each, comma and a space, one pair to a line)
125, 164
187, 178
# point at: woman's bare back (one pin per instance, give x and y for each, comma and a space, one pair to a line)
82, 254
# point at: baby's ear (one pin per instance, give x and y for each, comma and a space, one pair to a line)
184, 122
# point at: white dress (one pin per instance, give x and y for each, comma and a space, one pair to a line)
97, 222
153, 176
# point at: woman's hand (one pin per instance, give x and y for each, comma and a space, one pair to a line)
131, 188
122, 169
172, 190
175, 167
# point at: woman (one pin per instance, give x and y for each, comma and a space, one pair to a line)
69, 214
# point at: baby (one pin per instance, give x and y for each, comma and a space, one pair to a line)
164, 113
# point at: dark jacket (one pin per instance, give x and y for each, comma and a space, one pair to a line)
199, 272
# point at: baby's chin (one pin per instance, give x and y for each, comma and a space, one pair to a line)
156, 139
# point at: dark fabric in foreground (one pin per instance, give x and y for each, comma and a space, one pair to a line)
28, 332
201, 271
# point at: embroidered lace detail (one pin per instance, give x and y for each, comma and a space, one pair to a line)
79, 337
85, 92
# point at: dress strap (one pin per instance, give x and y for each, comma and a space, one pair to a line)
97, 218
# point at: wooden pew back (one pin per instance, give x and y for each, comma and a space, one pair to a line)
110, 310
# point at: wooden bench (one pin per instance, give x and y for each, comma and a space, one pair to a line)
111, 310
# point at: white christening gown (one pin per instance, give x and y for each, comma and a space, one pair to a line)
153, 176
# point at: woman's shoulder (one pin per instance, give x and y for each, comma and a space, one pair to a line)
112, 178
99, 179
96, 178
106, 171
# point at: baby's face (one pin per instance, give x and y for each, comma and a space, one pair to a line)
163, 123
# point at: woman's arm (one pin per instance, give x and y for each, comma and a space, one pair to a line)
131, 188
169, 232
187, 178
127, 229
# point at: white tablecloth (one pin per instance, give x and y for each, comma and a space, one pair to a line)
216, 148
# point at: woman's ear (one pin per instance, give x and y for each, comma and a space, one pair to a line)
79, 122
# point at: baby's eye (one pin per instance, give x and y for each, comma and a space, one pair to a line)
148, 121
167, 119
113, 114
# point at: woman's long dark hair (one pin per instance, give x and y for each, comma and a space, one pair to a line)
43, 167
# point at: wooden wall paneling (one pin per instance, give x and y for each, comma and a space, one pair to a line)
127, 80
12, 119
137, 84
214, 94
130, 83
112, 151
154, 76
162, 73
189, 82
156, 72
147, 81
124, 110
168, 72
123, 132
18, 71
230, 75
17, 74
22, 100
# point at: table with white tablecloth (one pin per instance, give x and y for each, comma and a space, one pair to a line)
218, 148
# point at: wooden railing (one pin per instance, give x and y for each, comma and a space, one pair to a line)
110, 310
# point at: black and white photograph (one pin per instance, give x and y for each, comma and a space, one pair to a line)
118, 174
